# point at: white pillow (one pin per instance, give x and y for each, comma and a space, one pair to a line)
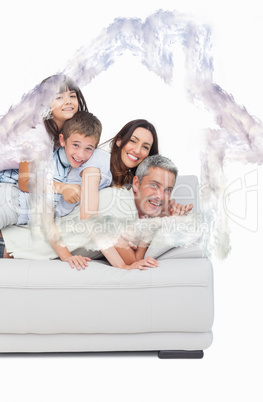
178, 235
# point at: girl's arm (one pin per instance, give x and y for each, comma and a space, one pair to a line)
70, 192
23, 176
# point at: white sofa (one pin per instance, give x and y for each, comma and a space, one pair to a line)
45, 306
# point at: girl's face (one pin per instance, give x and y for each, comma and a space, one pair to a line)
137, 148
64, 106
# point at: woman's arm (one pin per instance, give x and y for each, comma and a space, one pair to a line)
89, 200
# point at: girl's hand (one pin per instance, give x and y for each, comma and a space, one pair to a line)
77, 261
144, 264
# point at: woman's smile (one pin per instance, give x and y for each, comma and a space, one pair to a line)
132, 157
137, 148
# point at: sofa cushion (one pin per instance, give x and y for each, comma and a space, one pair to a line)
48, 297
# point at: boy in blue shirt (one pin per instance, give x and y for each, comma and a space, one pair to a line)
76, 162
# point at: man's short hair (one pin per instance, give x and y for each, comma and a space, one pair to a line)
155, 161
85, 123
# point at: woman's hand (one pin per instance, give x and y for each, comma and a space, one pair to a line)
77, 261
144, 264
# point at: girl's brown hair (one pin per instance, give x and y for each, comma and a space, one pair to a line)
121, 174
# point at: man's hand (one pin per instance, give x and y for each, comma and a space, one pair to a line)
143, 264
176, 209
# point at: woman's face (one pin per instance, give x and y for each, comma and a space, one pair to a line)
137, 148
64, 106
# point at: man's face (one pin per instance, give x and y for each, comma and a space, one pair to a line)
153, 193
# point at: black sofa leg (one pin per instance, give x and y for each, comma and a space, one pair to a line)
180, 354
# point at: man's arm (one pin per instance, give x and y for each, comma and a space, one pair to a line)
129, 252
117, 261
119, 204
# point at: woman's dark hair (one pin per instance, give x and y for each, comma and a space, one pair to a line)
64, 83
121, 174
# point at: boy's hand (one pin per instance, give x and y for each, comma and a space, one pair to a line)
71, 193
77, 261
176, 209
144, 264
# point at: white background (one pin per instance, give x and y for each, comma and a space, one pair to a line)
37, 40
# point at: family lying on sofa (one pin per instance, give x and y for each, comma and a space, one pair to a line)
130, 183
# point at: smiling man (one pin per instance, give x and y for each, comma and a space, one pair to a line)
148, 196
153, 185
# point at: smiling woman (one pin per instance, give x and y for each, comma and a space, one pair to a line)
137, 148
133, 143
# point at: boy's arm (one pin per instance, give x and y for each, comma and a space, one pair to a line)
89, 199
74, 260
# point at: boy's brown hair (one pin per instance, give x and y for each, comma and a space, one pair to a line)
84, 123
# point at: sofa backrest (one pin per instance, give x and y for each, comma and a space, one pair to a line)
186, 191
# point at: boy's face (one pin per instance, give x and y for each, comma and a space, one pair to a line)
78, 148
